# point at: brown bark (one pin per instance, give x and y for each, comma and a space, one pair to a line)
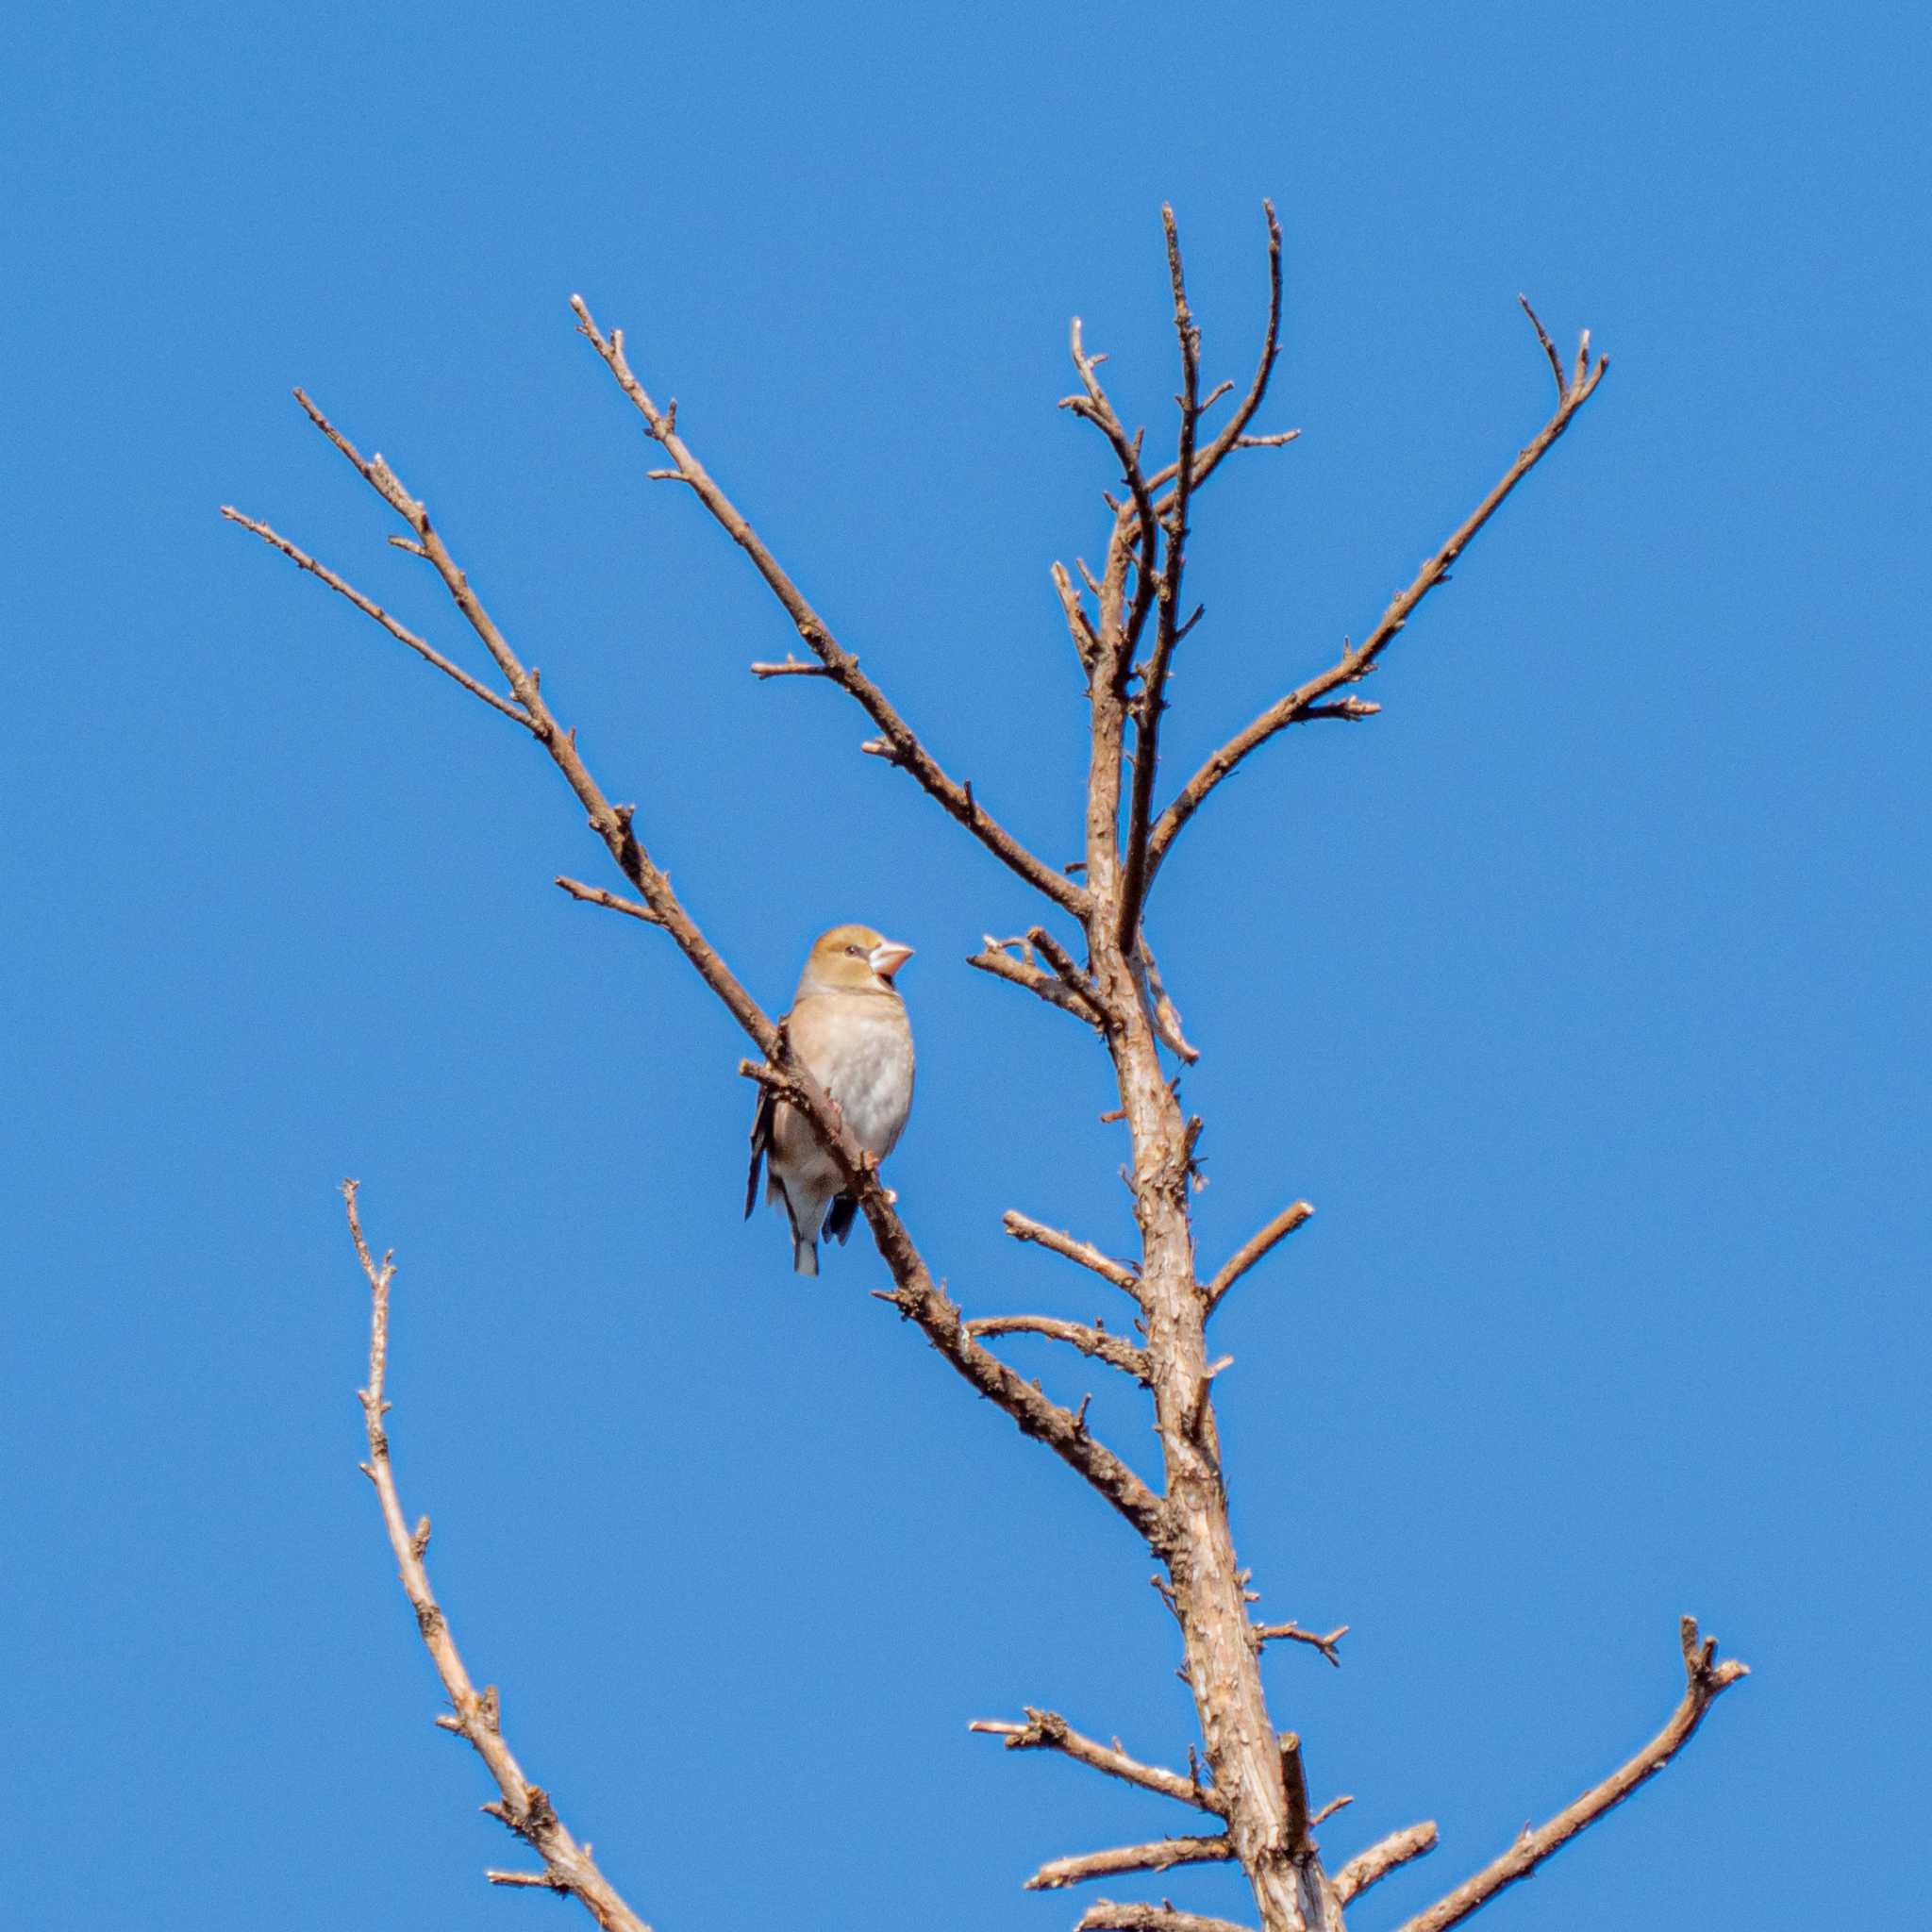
1254, 1777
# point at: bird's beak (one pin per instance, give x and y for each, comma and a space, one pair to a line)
887, 957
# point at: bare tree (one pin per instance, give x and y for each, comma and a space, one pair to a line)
1088, 957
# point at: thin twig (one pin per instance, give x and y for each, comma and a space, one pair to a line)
1233, 433
596, 895
1152, 701
903, 748
1112, 1349
1022, 1228
1001, 963
1046, 1731
1255, 1249
1705, 1681
1542, 335
1366, 1868
525, 1807
1273, 1633
369, 608
1167, 1018
1355, 663
792, 667
1137, 526
1079, 626
1161, 1855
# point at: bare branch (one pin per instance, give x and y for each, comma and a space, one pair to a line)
1022, 1228
840, 666
1273, 1633
920, 1299
1079, 626
1104, 1915
1542, 335
1066, 970
1355, 664
1233, 434
568, 1867
998, 960
1382, 1857
1705, 1681
915, 1295
596, 895
1112, 1349
1046, 1731
1167, 1018
1161, 1855
1153, 697
1255, 1249
1137, 525
792, 667
369, 608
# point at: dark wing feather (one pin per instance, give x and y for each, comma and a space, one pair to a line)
760, 1142
839, 1217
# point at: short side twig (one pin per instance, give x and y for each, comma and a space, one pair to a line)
1046, 1731
1012, 960
524, 1807
596, 895
1255, 1249
1022, 1228
1273, 1633
1705, 1681
1382, 1857
1115, 1350
369, 608
1161, 1855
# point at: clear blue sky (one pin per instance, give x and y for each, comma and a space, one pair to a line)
1583, 991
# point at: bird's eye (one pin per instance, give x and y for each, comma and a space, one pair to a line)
857, 951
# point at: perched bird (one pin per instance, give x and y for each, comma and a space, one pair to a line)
848, 1025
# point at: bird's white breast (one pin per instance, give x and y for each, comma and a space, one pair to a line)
869, 1072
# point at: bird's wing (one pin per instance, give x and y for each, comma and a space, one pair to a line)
760, 1145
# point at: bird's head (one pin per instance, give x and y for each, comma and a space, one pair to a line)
852, 959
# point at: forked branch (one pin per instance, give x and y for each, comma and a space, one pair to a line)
1012, 960
1046, 1731
1356, 662
524, 1806
1705, 1681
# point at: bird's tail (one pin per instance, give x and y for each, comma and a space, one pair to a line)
805, 1256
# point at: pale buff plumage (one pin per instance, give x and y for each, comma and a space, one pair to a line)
848, 1025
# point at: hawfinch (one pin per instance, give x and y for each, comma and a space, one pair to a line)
848, 1025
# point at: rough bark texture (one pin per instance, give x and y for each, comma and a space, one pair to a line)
1254, 1780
